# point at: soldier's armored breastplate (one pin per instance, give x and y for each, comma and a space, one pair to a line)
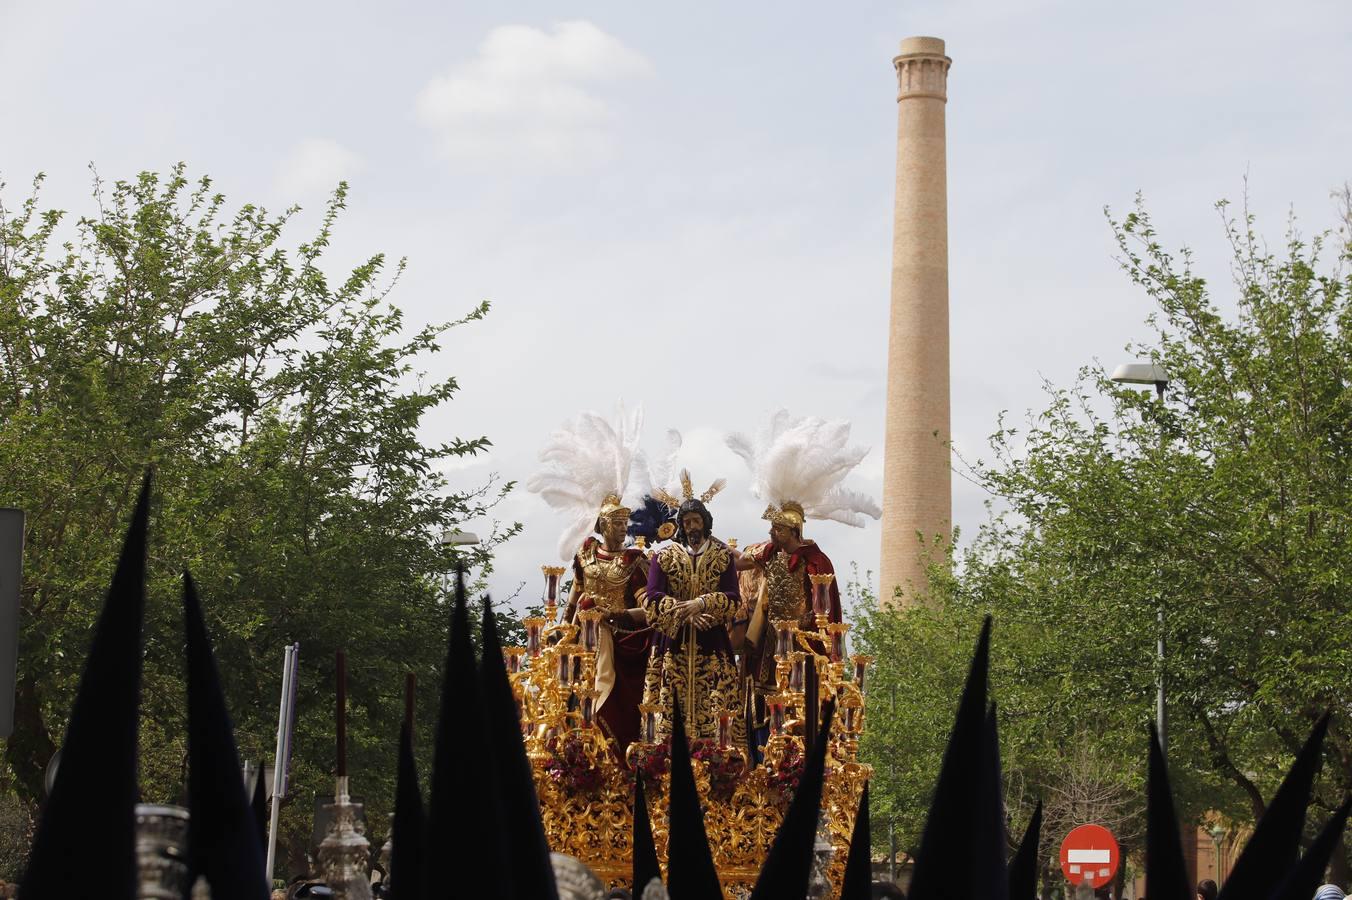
783, 590
604, 580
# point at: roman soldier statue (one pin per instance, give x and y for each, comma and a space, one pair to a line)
797, 465
588, 466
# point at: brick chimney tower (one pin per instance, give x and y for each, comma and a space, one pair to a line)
917, 478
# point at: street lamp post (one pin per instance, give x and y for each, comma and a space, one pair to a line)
1217, 836
454, 538
1150, 373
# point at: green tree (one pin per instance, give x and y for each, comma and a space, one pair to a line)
281, 410
1226, 505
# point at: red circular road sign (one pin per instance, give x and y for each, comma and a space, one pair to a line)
1089, 855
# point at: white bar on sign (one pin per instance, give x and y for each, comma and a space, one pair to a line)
1087, 856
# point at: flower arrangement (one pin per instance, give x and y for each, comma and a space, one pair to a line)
787, 773
570, 766
652, 761
723, 765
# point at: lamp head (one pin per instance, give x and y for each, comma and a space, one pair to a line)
1140, 373
458, 538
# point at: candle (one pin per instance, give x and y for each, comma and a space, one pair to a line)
565, 670
821, 593
551, 597
777, 714
783, 638
796, 673
837, 645
724, 731
552, 574
342, 714
860, 670
588, 707
650, 724
533, 636
590, 619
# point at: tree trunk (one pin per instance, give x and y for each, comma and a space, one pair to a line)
1339, 871
30, 747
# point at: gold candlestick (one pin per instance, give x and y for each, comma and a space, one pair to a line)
836, 648
534, 625
784, 629
821, 594
551, 598
590, 620
860, 661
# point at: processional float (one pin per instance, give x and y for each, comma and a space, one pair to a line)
586, 791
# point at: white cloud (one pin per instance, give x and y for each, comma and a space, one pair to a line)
315, 165
531, 95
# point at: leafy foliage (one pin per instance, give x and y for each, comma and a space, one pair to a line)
1227, 505
281, 410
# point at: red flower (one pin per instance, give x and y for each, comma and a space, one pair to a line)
787, 774
569, 766
724, 766
653, 760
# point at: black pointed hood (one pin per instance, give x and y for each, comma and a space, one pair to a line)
1273, 849
1308, 874
945, 865
464, 819
85, 840
859, 862
690, 864
1166, 876
526, 846
989, 869
407, 852
787, 869
646, 867
223, 843
1023, 868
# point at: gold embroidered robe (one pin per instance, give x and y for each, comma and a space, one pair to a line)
694, 668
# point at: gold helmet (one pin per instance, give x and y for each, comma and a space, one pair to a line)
613, 508
789, 513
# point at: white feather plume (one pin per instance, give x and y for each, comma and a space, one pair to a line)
585, 460
806, 459
648, 477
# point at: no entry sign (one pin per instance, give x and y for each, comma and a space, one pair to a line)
1089, 856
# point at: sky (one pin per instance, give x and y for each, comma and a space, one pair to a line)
690, 206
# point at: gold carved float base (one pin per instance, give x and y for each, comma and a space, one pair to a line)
596, 825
